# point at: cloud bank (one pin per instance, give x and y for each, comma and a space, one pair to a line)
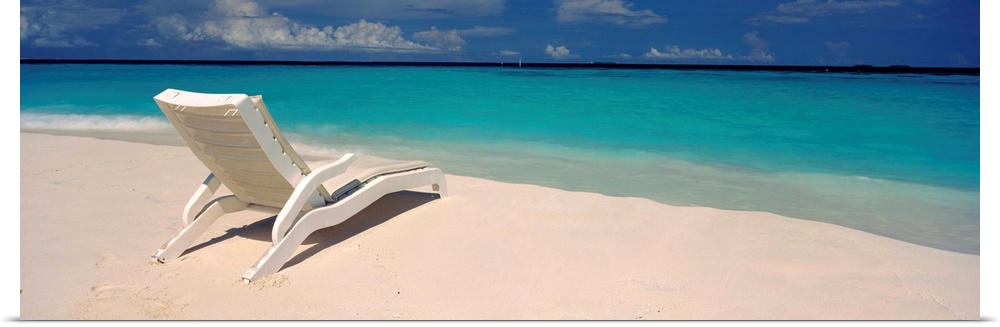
675, 52
245, 24
757, 52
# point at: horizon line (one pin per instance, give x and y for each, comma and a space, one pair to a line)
861, 68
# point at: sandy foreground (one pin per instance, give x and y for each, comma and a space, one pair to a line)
93, 211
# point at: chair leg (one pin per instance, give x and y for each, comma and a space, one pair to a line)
436, 177
187, 235
281, 251
334, 214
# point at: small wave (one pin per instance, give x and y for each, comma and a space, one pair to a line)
92, 122
867, 179
309, 146
318, 151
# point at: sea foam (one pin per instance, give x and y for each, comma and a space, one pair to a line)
92, 122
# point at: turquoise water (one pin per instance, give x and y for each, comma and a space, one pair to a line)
892, 154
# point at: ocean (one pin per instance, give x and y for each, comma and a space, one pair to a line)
893, 154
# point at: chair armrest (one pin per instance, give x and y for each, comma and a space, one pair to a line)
302, 192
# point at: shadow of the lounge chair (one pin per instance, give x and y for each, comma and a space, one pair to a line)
388, 207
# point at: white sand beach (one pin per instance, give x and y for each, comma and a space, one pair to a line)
92, 211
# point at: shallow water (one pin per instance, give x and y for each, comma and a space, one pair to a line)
896, 155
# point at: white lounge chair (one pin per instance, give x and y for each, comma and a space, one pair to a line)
236, 138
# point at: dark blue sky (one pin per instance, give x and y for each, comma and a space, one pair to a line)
932, 33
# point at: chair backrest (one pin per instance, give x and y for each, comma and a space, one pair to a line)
236, 138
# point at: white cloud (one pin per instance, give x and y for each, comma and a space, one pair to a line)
449, 40
801, 11
509, 53
758, 48
560, 52
364, 34
257, 32
245, 24
675, 52
606, 11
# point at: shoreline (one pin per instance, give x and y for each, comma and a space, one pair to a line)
491, 250
913, 205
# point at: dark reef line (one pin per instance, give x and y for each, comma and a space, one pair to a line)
894, 69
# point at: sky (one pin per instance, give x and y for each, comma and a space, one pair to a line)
920, 33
